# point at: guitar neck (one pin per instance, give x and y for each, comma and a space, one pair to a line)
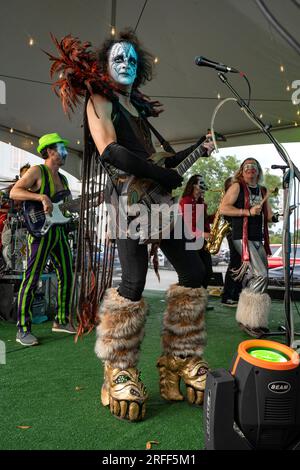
190, 160
74, 204
183, 166
69, 204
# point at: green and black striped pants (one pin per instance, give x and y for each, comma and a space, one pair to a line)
54, 245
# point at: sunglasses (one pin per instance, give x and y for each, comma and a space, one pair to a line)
250, 166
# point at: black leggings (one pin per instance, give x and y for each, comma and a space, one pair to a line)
134, 262
232, 288
205, 256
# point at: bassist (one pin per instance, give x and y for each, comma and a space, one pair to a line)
43, 183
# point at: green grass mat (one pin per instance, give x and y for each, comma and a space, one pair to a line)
55, 387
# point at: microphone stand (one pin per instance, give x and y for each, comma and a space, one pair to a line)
265, 128
288, 329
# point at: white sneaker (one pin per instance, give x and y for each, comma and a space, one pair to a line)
26, 339
63, 328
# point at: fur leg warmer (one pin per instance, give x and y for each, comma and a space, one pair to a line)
120, 331
253, 309
183, 325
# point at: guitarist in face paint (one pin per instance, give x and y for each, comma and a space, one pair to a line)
40, 184
123, 140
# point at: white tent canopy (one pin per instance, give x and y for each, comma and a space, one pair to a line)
230, 31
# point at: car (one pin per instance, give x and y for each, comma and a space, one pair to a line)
225, 255
161, 257
216, 259
274, 247
117, 263
276, 276
276, 260
163, 262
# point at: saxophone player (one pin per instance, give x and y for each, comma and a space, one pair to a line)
246, 203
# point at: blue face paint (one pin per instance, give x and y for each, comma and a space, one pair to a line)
62, 151
122, 63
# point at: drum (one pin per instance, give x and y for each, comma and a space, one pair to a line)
19, 249
14, 238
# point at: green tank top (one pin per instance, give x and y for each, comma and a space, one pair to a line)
47, 184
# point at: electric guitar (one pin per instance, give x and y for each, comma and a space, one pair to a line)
154, 199
38, 222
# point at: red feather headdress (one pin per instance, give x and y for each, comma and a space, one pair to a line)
78, 71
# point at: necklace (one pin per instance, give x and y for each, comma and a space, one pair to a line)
254, 196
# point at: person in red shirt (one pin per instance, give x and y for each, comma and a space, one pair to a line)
4, 208
192, 196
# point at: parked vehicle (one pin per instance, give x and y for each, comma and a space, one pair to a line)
276, 260
225, 255
163, 261
276, 276
274, 247
216, 259
161, 258
117, 263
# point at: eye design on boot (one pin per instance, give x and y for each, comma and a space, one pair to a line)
122, 379
134, 392
202, 371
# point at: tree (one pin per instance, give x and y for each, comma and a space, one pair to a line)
272, 182
215, 171
276, 237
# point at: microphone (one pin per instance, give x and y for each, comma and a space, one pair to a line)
203, 62
279, 167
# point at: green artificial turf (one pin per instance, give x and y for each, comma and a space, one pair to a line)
55, 387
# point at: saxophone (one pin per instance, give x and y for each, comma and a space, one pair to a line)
220, 228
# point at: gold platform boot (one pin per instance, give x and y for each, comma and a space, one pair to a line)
193, 372
124, 393
169, 379
183, 341
119, 336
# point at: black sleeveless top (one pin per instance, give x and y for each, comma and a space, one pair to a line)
255, 223
132, 131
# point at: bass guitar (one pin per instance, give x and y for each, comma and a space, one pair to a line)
38, 222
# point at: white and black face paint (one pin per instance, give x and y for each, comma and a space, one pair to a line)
62, 151
122, 63
201, 183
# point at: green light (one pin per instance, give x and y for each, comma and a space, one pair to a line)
268, 354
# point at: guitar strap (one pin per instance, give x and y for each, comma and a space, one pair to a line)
166, 145
47, 184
